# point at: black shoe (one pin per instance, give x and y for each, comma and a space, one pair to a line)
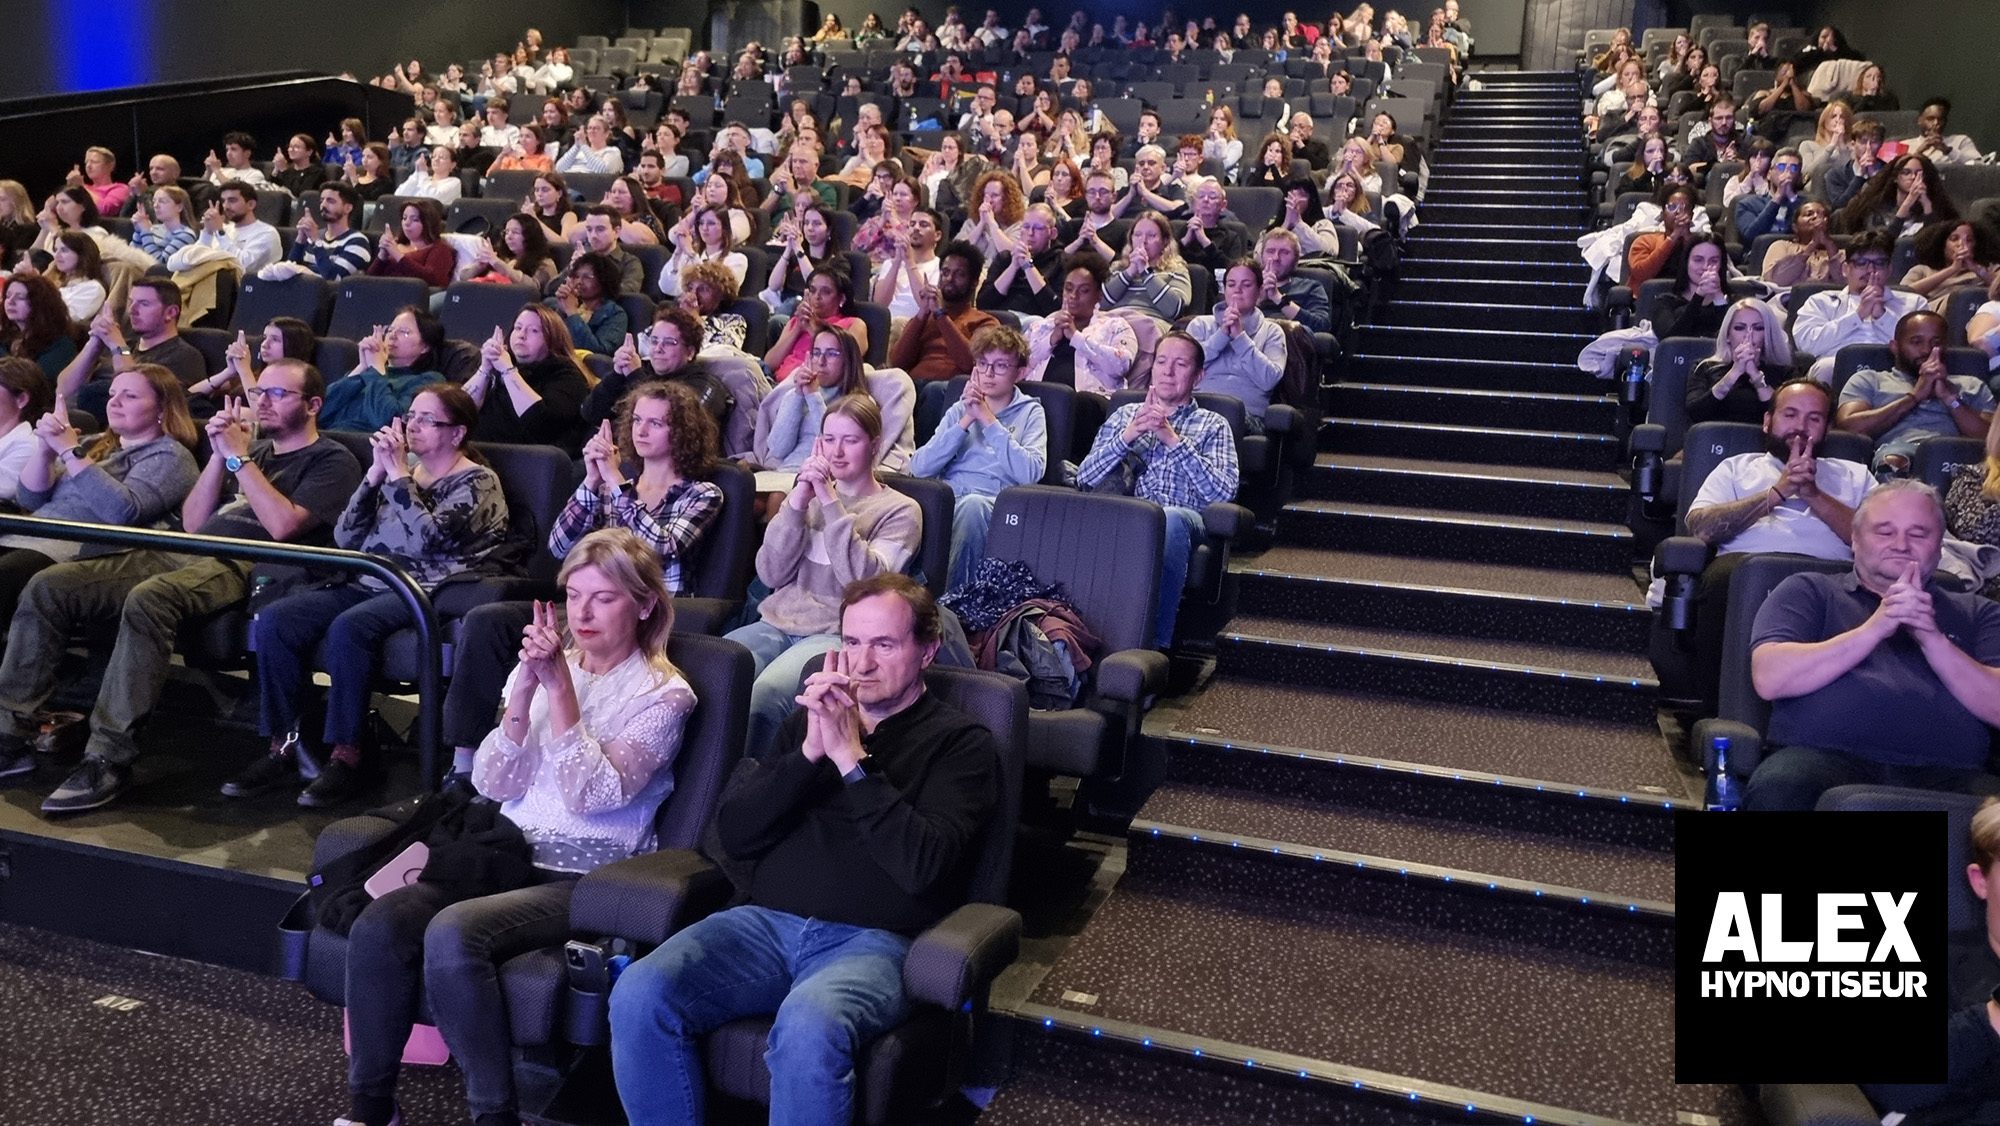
269, 772
93, 783
15, 759
338, 781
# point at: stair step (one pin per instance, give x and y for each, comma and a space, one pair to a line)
1589, 414
1472, 192
1486, 344
1564, 868
1498, 445
1322, 980
1508, 291
1539, 180
1538, 158
1568, 545
1460, 234
1495, 375
1586, 779
1548, 492
1467, 314
1427, 269
1477, 244
1509, 214
1576, 609
1504, 675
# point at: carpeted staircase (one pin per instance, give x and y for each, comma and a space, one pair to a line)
1412, 860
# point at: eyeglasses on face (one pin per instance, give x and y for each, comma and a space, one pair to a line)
275, 394
414, 420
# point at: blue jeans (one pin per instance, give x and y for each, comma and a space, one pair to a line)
970, 516
1793, 778
354, 621
781, 663
1184, 527
833, 987
934, 397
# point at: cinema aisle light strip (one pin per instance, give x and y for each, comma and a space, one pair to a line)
1226, 1055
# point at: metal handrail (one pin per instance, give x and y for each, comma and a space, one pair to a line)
430, 671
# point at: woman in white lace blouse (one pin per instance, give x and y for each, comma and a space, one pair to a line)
580, 762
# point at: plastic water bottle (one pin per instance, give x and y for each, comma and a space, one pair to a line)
1723, 792
1635, 375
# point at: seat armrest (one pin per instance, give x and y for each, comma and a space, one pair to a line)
1746, 745
1816, 1104
1649, 438
348, 836
1618, 305
1284, 419
1225, 520
1680, 555
954, 961
647, 898
1131, 675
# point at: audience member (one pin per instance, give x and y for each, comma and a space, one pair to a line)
25, 396
1809, 255
153, 308
77, 270
35, 326
1934, 144
231, 226
285, 338
1903, 198
340, 250
1026, 284
836, 897
704, 235
1077, 345
98, 176
160, 222
912, 265
581, 762
1916, 399
1733, 385
397, 360
297, 167
1953, 257
1700, 296
933, 345
1213, 238
1850, 662
836, 524
597, 232
528, 388
994, 437
133, 474
1150, 278
517, 254
1243, 352
238, 149
415, 246
436, 515
435, 177
589, 306
1866, 312
1188, 461
1287, 294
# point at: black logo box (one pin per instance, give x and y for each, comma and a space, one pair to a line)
1812, 1038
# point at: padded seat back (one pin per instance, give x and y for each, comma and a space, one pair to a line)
469, 216
1964, 911
1059, 415
1256, 207
1938, 459
932, 563
537, 480
307, 297
361, 302
512, 185
720, 673
1748, 587
472, 310
1707, 445
1674, 360
336, 358
213, 344
724, 557
1105, 550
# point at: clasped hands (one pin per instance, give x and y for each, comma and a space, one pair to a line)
833, 718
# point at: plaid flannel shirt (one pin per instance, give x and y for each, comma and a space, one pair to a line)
1199, 472
671, 527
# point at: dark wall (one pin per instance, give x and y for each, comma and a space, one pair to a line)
65, 46
1952, 56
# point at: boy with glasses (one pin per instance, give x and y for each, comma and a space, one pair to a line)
994, 437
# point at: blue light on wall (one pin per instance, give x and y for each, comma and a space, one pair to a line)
101, 44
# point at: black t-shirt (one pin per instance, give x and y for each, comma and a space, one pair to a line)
319, 478
1891, 708
1021, 296
173, 353
1062, 363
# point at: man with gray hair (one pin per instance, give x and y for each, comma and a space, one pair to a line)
1878, 676
1150, 189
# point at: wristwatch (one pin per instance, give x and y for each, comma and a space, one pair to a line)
75, 451
232, 463
1953, 403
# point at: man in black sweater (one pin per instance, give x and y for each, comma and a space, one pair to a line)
859, 828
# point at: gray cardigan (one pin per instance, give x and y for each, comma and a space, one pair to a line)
135, 486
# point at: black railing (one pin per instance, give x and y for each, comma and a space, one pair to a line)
430, 671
